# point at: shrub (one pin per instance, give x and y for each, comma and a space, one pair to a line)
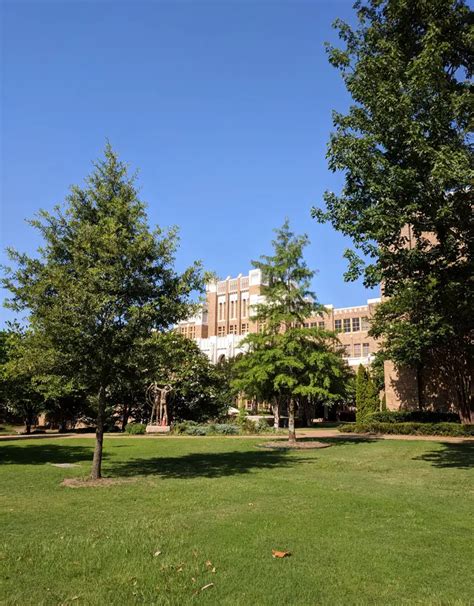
226, 429
135, 429
413, 416
417, 429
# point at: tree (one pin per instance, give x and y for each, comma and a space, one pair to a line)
22, 395
287, 363
101, 282
367, 400
200, 389
406, 152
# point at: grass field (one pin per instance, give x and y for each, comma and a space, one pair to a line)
366, 522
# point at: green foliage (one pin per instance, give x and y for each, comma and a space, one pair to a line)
200, 389
414, 416
405, 148
101, 282
135, 429
367, 399
285, 362
192, 428
417, 429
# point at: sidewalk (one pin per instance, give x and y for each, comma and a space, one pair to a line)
300, 433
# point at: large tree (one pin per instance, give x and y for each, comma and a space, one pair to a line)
101, 282
287, 363
405, 148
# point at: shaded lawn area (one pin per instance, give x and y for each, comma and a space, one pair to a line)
367, 522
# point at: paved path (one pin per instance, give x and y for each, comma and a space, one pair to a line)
301, 433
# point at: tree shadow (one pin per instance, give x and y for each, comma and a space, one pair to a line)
31, 454
459, 455
343, 440
204, 465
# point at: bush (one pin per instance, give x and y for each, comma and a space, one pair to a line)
135, 429
416, 429
191, 428
413, 416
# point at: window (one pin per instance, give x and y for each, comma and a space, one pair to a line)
192, 332
320, 324
313, 324
338, 324
244, 307
221, 331
365, 323
233, 309
365, 349
356, 350
355, 324
306, 325
347, 351
347, 325
233, 329
244, 329
221, 315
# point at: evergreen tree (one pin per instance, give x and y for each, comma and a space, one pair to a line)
286, 362
367, 399
101, 282
405, 147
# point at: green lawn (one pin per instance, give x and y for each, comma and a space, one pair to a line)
366, 522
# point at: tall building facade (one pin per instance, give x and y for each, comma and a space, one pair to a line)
226, 318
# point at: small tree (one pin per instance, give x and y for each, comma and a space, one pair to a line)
367, 400
101, 282
286, 362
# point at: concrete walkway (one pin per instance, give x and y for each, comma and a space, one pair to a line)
301, 433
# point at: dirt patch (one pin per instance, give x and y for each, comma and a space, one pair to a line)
303, 445
87, 483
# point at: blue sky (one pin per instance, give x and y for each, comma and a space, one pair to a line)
224, 107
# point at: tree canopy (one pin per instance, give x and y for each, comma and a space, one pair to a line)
405, 147
101, 282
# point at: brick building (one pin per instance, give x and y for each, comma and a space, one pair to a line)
227, 317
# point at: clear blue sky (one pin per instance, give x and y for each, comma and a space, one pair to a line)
224, 107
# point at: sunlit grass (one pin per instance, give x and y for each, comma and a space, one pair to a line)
366, 523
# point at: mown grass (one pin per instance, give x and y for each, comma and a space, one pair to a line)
367, 522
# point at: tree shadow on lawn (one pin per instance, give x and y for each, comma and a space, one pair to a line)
458, 455
33, 454
205, 465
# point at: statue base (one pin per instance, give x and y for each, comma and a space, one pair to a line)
158, 428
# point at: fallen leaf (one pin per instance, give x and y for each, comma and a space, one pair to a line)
214, 569
156, 554
209, 564
207, 586
180, 569
280, 554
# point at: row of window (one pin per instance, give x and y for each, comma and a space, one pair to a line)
233, 330
357, 350
352, 324
314, 324
188, 331
244, 309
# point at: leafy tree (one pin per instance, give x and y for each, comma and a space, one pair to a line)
101, 282
406, 151
367, 400
18, 376
287, 363
200, 389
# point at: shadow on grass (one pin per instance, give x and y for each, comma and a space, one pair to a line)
343, 440
32, 454
459, 455
204, 465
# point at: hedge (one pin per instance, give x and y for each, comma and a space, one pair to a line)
413, 416
416, 429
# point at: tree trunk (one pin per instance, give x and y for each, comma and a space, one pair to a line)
291, 421
27, 426
125, 416
96, 471
419, 386
276, 413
